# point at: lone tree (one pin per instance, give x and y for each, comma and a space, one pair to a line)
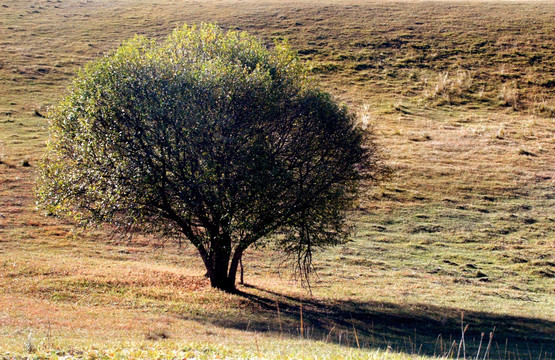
211, 136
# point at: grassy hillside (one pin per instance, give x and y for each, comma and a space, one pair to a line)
461, 98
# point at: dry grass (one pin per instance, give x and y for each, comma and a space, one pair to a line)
460, 97
449, 88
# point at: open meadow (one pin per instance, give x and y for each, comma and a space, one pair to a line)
461, 97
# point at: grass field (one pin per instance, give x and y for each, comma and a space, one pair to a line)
461, 98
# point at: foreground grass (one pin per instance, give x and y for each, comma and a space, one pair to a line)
281, 349
460, 97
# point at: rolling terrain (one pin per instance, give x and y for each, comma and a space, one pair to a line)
460, 96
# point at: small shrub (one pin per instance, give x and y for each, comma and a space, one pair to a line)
29, 344
157, 334
525, 152
543, 109
500, 133
451, 88
38, 113
510, 96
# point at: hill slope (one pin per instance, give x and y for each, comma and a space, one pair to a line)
461, 99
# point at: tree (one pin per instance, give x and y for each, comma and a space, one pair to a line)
211, 136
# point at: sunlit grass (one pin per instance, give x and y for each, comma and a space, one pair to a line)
277, 349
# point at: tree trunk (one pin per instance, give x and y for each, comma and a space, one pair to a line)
234, 265
241, 279
217, 270
220, 280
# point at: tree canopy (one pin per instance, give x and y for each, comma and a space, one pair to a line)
211, 136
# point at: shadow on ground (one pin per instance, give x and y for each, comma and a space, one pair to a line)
413, 329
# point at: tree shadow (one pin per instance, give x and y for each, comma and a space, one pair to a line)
414, 329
